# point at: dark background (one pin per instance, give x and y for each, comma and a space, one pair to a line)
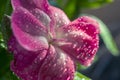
108, 66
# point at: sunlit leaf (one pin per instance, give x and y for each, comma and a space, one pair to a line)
93, 3
5, 29
108, 39
73, 7
79, 76
5, 8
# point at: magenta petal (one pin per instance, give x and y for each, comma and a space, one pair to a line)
82, 36
44, 64
28, 4
26, 64
41, 16
29, 32
57, 66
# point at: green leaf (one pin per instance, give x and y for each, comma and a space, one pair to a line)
70, 7
73, 7
5, 29
107, 37
79, 76
5, 8
9, 76
93, 3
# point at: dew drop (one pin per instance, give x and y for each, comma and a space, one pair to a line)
68, 30
56, 14
65, 22
81, 34
54, 65
65, 69
89, 46
95, 44
74, 46
86, 58
25, 12
75, 35
86, 27
78, 56
68, 78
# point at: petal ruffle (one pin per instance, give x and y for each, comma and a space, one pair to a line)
25, 64
29, 31
45, 64
82, 38
56, 17
57, 66
28, 4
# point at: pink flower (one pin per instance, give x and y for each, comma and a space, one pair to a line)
46, 44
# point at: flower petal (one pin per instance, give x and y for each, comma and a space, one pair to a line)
57, 66
45, 64
28, 4
29, 32
57, 17
82, 39
31, 6
25, 64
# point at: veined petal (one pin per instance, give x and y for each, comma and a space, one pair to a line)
26, 64
56, 17
29, 31
57, 66
82, 36
45, 64
41, 16
28, 4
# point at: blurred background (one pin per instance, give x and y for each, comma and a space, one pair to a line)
106, 65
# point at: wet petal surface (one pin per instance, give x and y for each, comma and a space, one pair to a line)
45, 64
29, 32
82, 38
46, 44
26, 64
57, 66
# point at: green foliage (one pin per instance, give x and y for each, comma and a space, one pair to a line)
73, 7
79, 76
107, 38
5, 8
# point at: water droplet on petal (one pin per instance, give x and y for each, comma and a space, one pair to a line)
56, 14
74, 46
68, 78
25, 12
54, 65
65, 70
